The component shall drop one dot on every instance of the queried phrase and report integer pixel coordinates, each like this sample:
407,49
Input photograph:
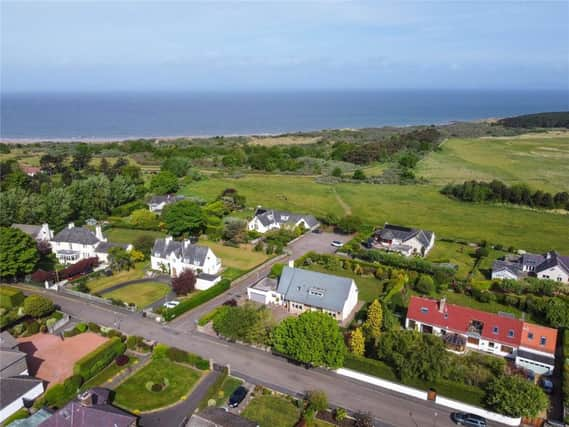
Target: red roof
497,328
30,169
539,338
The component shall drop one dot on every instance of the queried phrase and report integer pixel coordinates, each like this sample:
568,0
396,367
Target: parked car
470,420
237,396
317,231
171,304
546,384
337,243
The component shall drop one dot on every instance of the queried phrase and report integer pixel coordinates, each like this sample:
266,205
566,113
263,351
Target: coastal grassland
241,258
269,141
127,235
140,294
541,161
101,283
134,395
412,205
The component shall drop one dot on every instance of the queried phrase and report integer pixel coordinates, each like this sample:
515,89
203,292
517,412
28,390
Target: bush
276,270
37,306
58,395
425,285
122,360
92,363
10,297
197,300
32,328
81,327
176,355
93,327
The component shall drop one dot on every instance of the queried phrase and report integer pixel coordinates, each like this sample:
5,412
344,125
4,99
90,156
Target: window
446,315
542,341
511,333
424,310
530,335
495,330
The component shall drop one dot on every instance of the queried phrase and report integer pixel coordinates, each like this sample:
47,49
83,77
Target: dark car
237,397
317,231
470,420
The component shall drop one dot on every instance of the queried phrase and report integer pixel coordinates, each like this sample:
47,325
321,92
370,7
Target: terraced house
530,346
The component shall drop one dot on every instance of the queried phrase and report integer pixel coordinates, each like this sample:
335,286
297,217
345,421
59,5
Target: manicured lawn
134,396
272,411
540,161
126,235
461,255
108,373
412,205
228,387
140,294
101,283
242,258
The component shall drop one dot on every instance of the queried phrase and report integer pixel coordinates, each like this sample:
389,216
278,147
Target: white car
337,243
171,304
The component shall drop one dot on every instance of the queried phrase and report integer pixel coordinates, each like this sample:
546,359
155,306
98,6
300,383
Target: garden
25,316
139,294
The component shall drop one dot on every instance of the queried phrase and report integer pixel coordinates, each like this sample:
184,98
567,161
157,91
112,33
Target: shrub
176,355
90,364
276,270
122,360
425,285
81,327
93,327
38,306
58,395
10,297
32,328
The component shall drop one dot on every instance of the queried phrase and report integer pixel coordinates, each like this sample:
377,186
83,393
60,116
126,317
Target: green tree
184,217
374,321
143,218
425,284
235,230
357,342
244,323
515,397
482,252
123,190
349,224
313,338
176,165
18,253
144,244
164,183
38,306
91,197
81,156
120,259
337,172
359,175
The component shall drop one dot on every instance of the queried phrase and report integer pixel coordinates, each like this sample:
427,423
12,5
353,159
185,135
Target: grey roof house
271,219
37,232
158,203
551,266
300,290
17,392
404,240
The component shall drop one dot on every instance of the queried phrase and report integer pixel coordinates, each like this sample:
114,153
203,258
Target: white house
270,219
404,240
73,244
551,266
174,257
301,290
38,232
158,203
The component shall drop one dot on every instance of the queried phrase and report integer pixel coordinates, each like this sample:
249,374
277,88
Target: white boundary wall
443,401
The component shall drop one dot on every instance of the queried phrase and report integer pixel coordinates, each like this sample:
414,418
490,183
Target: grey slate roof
536,357
271,216
554,259
314,289
189,253
80,235
29,229
531,260
9,357
398,232
218,417
104,247
7,341
12,388
513,267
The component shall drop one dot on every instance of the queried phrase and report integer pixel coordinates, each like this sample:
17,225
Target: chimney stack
71,225
442,305
291,263
99,233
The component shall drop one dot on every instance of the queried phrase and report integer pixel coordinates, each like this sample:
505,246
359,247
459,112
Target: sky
266,45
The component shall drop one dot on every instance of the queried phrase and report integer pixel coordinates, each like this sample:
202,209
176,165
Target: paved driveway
317,242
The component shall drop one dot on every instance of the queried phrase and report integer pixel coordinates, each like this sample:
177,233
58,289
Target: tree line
498,192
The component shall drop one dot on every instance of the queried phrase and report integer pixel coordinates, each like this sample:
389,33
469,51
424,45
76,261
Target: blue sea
124,115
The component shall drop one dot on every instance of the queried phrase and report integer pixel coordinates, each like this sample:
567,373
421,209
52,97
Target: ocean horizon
122,115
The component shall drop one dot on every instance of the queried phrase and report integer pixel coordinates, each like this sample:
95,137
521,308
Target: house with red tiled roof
30,170
530,346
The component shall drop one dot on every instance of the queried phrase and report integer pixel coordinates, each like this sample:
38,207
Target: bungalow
550,266
530,346
17,392
73,244
404,240
301,290
270,219
174,257
157,203
37,232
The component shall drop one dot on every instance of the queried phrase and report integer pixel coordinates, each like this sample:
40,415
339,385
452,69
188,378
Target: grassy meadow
540,161
413,205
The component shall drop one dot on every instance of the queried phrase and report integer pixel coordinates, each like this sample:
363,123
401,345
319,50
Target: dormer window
495,330
424,310
511,333
316,292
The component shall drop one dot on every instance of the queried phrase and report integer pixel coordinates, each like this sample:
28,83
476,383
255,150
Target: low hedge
177,355
213,390
58,395
457,391
197,300
10,297
208,317
92,363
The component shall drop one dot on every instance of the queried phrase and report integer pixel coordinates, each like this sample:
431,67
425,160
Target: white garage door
257,297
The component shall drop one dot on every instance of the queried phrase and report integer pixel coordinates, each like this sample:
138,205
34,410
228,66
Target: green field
412,205
133,394
242,258
272,411
541,161
126,235
140,294
101,283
